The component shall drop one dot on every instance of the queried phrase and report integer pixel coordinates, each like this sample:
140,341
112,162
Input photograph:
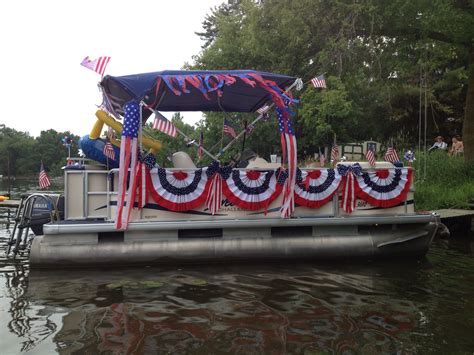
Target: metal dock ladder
23,218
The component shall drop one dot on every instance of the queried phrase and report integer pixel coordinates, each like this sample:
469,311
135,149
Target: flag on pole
249,128
44,181
201,146
108,150
319,82
162,124
228,129
391,155
98,65
334,154
370,155
264,112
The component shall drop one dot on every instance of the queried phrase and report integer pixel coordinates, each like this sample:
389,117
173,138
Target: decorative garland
178,191
252,189
315,188
384,188
255,189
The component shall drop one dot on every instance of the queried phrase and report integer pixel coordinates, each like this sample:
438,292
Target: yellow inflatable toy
4,198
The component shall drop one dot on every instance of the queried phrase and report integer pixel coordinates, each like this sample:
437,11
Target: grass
449,182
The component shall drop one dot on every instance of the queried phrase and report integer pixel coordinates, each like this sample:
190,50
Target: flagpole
188,138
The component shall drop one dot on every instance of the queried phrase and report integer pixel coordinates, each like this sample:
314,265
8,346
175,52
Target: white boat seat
181,160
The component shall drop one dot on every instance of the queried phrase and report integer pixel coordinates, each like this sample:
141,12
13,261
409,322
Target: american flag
391,155
109,151
44,181
162,124
319,82
334,153
98,65
288,140
128,157
229,129
370,155
201,145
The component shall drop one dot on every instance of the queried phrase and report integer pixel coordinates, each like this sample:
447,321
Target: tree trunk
468,124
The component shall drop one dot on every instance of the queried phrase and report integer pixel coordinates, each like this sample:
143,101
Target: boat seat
181,160
260,163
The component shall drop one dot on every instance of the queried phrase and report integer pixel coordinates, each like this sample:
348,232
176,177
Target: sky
43,85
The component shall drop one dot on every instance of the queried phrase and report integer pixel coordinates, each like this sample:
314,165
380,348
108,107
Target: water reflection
299,308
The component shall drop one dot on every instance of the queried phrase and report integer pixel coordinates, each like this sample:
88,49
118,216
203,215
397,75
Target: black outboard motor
43,209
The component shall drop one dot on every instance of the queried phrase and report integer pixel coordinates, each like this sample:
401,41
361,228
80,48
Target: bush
448,182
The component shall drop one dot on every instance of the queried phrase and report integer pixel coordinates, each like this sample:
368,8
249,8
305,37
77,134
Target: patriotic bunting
252,189
349,173
385,187
315,188
177,190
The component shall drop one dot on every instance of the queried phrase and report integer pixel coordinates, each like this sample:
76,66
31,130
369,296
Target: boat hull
149,243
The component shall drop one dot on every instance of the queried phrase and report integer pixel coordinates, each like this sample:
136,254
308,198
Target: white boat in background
217,213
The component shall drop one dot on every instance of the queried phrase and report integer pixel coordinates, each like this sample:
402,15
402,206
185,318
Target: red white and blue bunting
252,189
255,189
178,190
385,187
315,188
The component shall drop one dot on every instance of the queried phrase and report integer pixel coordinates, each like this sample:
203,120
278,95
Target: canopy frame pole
233,141
188,139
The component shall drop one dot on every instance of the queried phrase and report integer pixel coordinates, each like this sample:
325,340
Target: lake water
403,306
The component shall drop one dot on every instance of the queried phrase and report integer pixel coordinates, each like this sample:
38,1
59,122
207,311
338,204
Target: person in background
439,144
457,147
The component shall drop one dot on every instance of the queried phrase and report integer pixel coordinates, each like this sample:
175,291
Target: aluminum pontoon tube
334,243
91,227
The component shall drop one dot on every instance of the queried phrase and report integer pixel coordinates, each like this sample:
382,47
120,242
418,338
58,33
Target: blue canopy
193,90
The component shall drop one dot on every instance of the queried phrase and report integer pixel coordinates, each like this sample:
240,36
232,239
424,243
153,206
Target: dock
460,222
8,211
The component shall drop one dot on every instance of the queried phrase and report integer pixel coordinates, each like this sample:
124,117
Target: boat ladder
19,240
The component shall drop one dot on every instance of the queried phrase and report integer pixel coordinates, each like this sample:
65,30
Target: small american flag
319,82
334,153
263,109
162,124
391,155
98,65
201,145
370,155
44,181
109,150
228,129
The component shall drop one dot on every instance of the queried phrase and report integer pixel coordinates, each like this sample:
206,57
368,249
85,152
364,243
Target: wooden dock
8,211
460,222
10,203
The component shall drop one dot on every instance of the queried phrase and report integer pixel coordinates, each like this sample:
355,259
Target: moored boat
140,213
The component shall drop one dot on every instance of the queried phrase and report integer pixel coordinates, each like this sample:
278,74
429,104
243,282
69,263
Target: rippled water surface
399,306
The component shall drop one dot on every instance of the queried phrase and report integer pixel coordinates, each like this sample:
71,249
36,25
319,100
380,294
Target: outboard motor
43,209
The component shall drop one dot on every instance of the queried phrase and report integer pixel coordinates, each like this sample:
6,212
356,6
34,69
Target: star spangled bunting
391,155
370,155
228,129
319,82
44,181
162,124
98,65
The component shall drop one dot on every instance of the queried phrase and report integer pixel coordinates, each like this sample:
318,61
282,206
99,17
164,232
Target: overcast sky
43,85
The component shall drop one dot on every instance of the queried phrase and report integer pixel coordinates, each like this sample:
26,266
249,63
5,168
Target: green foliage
21,154
449,182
